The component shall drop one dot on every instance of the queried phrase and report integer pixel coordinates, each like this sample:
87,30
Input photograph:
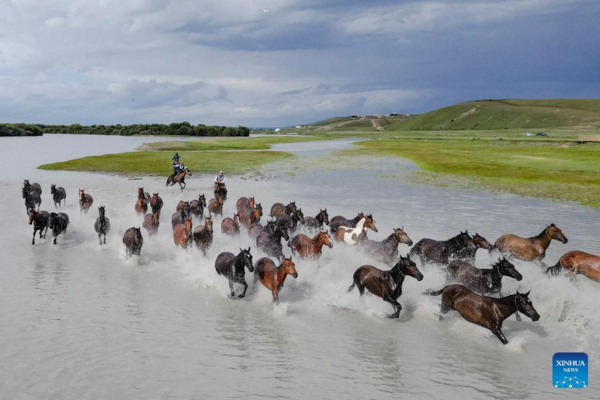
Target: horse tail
431,292
555,269
351,287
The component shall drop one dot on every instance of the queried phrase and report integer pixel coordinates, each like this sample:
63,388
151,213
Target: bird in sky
265,11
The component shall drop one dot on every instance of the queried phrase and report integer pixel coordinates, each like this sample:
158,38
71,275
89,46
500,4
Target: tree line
20,130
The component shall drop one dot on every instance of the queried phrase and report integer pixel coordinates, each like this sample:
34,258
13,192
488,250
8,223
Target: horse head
32,214
208,224
140,192
506,268
299,216
370,223
52,189
324,239
236,219
406,266
323,216
246,259
251,202
402,237
525,306
260,209
282,231
101,211
81,193
481,242
555,233
289,267
202,200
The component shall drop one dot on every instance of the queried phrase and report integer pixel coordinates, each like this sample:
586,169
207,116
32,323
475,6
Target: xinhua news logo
570,370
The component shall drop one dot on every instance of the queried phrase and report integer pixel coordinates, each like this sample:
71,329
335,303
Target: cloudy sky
224,62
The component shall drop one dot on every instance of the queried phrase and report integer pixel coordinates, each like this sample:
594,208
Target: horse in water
32,187
278,209
270,243
244,203
529,249
249,216
179,178
102,225
133,241
197,206
231,226
183,212
483,281
141,205
292,220
58,195
220,190
257,229
385,251
310,248
58,223
85,201
215,206
183,207
203,235
40,221
386,284
488,312
575,262
272,276
152,222
459,247
33,198
156,203
317,222
338,221
232,267
350,235
182,233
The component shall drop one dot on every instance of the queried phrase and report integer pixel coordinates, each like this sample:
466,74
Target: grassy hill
506,114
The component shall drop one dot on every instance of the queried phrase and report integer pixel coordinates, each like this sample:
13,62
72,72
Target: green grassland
254,143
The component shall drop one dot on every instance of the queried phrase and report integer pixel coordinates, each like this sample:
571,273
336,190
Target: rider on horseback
220,183
177,165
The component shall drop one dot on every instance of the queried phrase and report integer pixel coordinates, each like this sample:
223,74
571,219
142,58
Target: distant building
277,129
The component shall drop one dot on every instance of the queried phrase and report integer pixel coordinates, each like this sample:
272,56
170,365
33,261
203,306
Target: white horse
350,235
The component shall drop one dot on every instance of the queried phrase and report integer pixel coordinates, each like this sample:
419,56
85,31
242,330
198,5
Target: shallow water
80,321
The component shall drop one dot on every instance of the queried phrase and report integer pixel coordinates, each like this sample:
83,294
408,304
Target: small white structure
277,129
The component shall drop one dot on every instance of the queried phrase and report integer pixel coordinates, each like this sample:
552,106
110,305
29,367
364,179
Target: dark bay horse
32,198
338,221
386,284
197,206
40,221
32,187
102,224
292,220
310,248
156,203
203,235
231,226
270,243
215,206
152,222
483,281
278,209
317,222
178,218
143,199
488,312
272,276
85,201
179,178
249,216
385,251
58,195
58,223
575,262
232,267
245,203
182,233
459,247
133,241
220,190
529,249
256,229
183,207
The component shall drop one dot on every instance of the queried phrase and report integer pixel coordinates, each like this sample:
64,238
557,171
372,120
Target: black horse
58,195
270,243
33,198
40,221
291,221
232,268
58,224
483,281
102,225
316,222
256,229
460,247
197,206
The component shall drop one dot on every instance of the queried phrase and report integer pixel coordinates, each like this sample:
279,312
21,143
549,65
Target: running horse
231,226
58,195
256,229
488,312
197,206
338,221
291,221
58,223
233,267
40,221
32,195
85,201
248,217
102,224
317,222
215,206
310,248
133,241
152,222
220,190
529,249
182,233
141,205
272,276
385,251
245,203
460,247
179,178
576,262
350,235
483,281
270,243
156,203
278,209
203,235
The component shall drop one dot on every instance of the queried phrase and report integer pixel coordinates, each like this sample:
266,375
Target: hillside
506,114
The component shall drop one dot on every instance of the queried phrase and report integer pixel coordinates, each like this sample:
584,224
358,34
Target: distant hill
506,114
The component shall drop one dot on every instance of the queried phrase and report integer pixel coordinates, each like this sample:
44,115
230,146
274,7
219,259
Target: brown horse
386,284
529,249
85,201
151,223
133,241
316,222
249,216
179,178
385,251
231,226
576,262
232,267
182,234
338,221
197,206
216,206
141,205
488,312
257,229
183,207
40,221
156,203
273,277
351,235
309,248
245,203
278,209
483,281
203,235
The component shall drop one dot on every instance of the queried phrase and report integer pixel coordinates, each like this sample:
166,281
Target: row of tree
20,130
175,129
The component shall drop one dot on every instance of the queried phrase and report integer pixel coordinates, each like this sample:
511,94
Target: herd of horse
471,291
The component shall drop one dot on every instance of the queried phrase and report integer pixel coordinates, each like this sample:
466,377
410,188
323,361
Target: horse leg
34,232
395,304
244,292
232,295
275,293
100,238
105,238
45,231
444,309
54,242
498,332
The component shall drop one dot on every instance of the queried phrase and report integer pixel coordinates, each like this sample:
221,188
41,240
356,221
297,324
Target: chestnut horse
133,241
231,226
245,203
575,262
488,312
273,277
529,249
386,284
483,281
385,251
351,235
249,216
317,222
278,209
102,224
338,221
197,206
232,267
179,178
156,203
182,234
58,195
40,221
58,223
141,205
85,201
203,235
152,222
309,248
460,247
216,206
